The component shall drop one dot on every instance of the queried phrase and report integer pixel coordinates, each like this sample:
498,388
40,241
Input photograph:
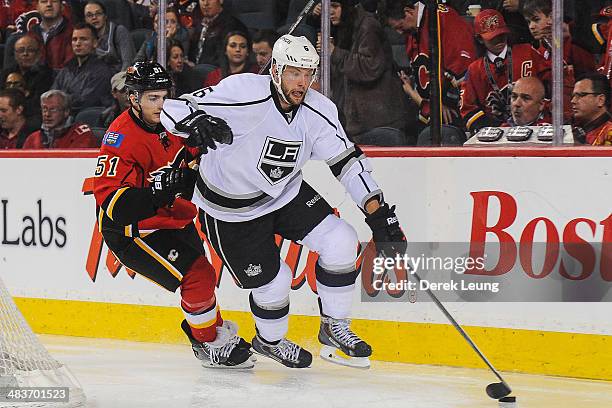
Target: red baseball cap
489,24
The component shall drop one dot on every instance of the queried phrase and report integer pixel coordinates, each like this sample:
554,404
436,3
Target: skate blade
248,364
334,355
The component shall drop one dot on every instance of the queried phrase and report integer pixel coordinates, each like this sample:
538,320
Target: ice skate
341,345
226,351
285,352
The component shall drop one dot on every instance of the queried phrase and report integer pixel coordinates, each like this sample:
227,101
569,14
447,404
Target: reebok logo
314,200
391,220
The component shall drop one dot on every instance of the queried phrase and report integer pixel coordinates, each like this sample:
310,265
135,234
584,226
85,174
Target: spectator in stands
577,61
85,78
58,130
263,42
120,101
364,85
457,53
485,93
528,104
55,32
115,46
38,76
174,32
16,81
13,125
235,60
590,101
185,79
211,23
511,10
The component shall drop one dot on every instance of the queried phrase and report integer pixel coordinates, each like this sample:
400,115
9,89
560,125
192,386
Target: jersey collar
501,55
155,130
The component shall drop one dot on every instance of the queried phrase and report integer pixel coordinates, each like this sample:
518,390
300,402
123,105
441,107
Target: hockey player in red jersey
142,186
485,93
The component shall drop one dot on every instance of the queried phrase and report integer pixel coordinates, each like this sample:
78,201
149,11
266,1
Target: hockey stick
297,22
494,390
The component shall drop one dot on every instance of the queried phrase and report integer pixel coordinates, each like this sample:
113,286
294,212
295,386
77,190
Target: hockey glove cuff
166,186
386,232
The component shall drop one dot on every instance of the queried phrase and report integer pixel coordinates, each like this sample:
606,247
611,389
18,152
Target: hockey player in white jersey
252,188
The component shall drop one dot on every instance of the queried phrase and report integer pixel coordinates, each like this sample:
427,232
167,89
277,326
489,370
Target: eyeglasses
14,84
92,15
23,50
580,95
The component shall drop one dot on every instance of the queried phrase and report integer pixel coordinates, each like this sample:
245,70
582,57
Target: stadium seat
90,115
255,14
98,133
139,36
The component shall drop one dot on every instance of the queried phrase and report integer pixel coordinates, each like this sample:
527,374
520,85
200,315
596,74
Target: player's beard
289,98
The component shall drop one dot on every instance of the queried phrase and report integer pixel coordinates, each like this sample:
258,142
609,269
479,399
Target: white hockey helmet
293,51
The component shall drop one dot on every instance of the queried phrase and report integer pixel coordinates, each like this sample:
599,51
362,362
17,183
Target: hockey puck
508,402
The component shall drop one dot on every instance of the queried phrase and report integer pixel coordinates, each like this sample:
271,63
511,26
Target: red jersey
599,131
571,60
76,136
457,53
130,157
485,101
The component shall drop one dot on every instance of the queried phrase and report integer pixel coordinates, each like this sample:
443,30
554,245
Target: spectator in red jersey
457,52
528,103
55,32
485,93
235,60
590,101
58,130
211,23
13,125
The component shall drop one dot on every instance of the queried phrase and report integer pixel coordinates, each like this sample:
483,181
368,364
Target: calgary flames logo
489,24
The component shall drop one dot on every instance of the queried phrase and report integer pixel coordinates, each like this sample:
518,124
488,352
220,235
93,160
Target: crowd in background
63,63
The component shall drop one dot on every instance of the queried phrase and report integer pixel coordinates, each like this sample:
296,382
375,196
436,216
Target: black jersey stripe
321,115
228,202
236,103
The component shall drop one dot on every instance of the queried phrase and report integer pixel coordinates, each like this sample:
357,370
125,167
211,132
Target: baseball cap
118,81
489,24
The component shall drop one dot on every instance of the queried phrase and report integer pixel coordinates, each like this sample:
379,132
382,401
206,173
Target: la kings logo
278,159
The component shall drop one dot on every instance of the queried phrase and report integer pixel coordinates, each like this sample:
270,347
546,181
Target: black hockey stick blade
498,390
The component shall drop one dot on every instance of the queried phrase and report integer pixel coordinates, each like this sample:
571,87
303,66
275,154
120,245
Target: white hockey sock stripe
202,320
336,302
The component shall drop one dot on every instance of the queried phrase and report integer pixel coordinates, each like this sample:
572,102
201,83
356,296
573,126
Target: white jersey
260,171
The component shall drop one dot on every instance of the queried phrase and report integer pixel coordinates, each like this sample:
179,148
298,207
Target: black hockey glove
166,186
386,232
205,131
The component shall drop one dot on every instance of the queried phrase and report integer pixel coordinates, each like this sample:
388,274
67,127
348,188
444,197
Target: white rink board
434,204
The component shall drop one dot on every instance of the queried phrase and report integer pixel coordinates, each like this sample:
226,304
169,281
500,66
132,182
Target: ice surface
121,374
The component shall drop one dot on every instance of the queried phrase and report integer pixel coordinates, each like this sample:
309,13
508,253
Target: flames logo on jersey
499,103
174,164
